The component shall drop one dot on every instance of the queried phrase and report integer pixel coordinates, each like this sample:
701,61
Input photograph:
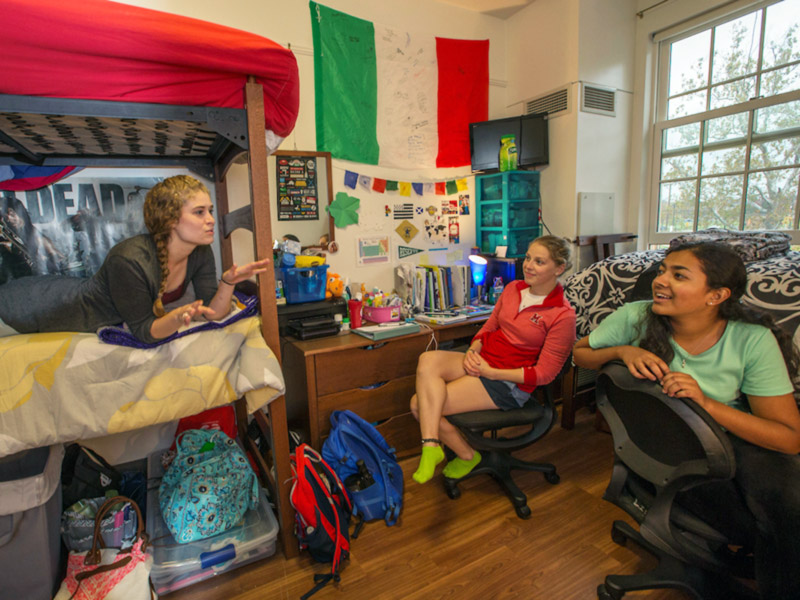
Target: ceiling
502,9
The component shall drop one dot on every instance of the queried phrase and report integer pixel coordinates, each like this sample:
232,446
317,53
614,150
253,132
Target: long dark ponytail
723,268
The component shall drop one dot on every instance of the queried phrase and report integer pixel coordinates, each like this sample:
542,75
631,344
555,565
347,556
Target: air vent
600,100
553,103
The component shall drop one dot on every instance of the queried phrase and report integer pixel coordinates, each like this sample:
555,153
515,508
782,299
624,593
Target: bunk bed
107,84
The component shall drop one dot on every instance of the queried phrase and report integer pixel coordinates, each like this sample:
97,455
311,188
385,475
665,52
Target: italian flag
392,98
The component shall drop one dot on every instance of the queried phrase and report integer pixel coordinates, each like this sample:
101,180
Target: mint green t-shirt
746,359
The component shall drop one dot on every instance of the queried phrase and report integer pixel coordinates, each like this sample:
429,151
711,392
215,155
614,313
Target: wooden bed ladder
273,425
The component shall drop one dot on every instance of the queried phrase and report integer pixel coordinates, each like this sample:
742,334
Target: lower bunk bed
61,387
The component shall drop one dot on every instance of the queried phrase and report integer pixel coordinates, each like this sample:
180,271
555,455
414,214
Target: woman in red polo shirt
523,345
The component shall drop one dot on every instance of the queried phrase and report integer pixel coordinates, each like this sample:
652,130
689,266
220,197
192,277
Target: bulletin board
298,193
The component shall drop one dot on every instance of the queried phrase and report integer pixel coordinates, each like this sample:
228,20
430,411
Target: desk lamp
478,267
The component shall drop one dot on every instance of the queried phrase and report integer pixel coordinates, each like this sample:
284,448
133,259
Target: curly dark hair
723,267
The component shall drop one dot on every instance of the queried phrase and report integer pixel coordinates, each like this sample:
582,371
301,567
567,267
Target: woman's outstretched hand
186,314
642,363
236,273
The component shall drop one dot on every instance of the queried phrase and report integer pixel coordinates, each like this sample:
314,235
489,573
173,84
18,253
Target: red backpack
323,509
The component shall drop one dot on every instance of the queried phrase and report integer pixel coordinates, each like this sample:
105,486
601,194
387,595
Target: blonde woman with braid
155,283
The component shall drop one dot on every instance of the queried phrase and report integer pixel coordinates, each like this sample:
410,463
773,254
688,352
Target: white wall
557,43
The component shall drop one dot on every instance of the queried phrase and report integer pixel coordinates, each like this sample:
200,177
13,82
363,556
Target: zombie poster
68,227
297,188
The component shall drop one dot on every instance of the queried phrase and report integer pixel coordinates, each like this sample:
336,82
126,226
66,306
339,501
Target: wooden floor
475,546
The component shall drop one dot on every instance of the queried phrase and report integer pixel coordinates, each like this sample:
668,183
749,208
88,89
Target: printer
311,320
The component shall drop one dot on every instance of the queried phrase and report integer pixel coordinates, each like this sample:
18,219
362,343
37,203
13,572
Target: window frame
661,123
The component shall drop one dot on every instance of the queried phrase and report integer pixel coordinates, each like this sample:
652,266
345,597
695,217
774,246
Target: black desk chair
538,415
664,446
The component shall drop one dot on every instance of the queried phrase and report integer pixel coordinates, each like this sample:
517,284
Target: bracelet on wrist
222,280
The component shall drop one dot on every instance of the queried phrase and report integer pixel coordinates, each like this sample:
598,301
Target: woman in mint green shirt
700,342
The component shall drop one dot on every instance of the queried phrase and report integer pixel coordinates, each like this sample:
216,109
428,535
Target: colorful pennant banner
405,188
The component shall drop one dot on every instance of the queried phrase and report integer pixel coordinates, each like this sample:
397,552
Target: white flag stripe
407,70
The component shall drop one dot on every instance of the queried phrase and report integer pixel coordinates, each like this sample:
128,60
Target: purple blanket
247,306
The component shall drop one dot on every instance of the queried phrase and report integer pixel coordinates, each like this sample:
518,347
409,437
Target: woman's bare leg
443,387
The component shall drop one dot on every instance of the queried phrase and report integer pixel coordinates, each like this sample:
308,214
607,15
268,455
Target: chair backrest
662,439
671,444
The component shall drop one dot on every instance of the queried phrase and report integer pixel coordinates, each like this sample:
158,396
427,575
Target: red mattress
102,50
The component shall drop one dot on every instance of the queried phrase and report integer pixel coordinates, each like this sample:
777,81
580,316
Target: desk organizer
304,284
381,314
176,566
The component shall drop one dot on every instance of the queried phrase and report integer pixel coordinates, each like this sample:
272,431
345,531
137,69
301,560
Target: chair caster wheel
603,593
618,537
453,493
523,512
553,478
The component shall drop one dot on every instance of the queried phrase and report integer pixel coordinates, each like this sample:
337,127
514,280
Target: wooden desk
373,379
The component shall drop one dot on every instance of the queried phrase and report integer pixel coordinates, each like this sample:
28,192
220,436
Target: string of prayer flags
404,188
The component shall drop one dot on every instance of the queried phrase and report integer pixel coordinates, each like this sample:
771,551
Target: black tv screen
530,135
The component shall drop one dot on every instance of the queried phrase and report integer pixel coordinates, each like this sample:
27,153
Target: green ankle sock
458,467
431,456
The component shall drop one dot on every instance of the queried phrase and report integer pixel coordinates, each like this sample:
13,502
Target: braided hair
723,267
162,211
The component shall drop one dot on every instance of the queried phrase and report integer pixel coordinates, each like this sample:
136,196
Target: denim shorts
505,394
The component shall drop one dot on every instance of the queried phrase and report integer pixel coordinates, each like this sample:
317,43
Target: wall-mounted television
530,134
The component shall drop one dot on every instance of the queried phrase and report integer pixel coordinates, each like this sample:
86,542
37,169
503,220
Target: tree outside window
729,134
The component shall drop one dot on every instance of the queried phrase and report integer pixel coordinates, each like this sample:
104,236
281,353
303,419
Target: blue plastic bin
304,284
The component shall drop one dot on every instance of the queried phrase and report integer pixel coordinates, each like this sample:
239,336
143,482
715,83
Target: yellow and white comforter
61,387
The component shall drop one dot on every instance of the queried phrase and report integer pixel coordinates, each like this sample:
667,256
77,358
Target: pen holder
354,306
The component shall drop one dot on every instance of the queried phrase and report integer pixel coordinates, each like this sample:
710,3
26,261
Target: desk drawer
358,367
371,405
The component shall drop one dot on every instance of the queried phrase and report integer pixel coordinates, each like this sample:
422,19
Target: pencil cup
354,306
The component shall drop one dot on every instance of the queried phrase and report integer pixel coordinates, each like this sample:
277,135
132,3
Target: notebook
376,332
440,318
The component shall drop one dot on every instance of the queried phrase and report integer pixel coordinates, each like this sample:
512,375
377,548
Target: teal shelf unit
507,211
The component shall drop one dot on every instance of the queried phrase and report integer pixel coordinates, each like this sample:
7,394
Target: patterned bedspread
773,285
60,387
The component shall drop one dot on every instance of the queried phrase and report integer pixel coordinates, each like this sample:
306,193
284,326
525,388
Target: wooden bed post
262,236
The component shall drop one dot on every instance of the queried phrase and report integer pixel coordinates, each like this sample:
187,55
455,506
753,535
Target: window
727,134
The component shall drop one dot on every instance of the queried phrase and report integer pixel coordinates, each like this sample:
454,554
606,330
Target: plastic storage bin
30,520
176,566
304,284
382,314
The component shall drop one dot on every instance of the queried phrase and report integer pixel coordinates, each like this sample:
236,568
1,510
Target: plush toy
335,286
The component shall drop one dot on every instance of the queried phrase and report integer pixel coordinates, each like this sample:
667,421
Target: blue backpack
353,440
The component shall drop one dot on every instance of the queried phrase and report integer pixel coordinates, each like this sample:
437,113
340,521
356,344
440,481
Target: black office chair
538,414
663,446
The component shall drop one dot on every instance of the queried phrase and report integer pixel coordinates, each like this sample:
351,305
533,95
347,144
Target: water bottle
508,153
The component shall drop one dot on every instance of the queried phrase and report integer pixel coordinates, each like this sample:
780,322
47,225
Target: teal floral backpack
208,487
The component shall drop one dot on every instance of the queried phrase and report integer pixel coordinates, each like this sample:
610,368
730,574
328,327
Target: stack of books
439,288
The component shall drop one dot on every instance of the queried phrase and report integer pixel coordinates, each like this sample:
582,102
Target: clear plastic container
176,566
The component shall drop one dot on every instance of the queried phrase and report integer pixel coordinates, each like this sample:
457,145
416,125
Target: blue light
478,266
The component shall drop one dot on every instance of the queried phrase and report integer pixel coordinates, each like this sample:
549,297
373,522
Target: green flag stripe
345,85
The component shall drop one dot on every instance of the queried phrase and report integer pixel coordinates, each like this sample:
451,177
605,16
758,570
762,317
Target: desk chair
538,414
664,446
